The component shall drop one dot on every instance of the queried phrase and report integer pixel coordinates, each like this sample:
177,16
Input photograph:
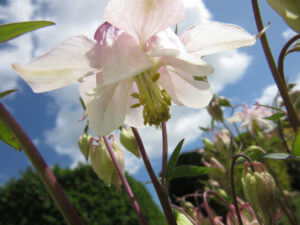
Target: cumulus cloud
268,95
288,33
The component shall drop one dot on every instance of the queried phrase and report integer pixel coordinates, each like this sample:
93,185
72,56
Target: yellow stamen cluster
156,101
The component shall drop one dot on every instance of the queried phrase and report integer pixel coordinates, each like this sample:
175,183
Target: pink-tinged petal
134,117
87,84
215,37
164,43
64,64
143,18
188,63
185,91
107,110
120,56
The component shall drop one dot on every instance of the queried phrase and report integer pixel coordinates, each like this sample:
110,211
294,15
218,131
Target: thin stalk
283,54
57,193
165,151
291,113
207,208
235,203
161,192
125,182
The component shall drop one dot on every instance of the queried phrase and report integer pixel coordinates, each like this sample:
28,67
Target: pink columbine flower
137,66
255,115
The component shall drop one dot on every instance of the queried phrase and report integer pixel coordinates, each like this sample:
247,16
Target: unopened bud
128,141
208,144
260,190
84,144
181,219
215,110
116,180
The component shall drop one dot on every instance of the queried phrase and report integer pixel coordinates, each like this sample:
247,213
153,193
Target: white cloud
16,11
229,68
288,33
268,95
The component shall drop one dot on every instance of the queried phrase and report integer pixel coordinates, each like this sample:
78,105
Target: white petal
134,117
188,63
215,37
87,84
185,91
107,111
143,18
164,43
62,65
120,57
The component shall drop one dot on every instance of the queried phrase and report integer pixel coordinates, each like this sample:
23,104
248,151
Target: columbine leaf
4,93
296,147
8,136
277,156
173,159
275,116
270,107
188,171
12,30
204,129
224,102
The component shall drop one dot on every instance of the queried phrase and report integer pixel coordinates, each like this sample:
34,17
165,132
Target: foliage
26,201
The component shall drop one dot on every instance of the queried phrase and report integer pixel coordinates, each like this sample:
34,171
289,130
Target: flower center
156,101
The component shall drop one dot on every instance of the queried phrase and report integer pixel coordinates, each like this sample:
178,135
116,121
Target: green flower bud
215,110
103,165
208,144
181,219
289,10
260,190
84,145
128,141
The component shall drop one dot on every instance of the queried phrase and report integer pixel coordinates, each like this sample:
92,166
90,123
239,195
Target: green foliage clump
25,201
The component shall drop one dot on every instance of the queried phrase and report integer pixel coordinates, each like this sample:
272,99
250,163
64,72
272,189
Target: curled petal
120,56
183,90
188,63
107,110
143,18
215,37
64,64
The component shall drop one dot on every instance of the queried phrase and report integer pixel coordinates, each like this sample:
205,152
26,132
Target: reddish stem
165,151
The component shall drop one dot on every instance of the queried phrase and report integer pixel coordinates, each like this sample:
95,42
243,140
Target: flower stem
161,192
283,54
50,181
291,113
207,208
165,151
125,182
235,203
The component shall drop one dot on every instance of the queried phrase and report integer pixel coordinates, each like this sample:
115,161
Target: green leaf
270,107
82,104
204,129
12,30
4,93
275,116
188,171
277,156
173,159
296,147
8,136
224,102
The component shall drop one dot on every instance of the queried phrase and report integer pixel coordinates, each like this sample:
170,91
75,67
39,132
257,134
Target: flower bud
84,144
208,144
103,165
260,190
181,219
215,110
128,141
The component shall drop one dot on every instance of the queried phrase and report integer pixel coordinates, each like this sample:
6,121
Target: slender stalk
291,113
165,151
185,213
283,54
46,175
161,192
207,208
125,182
235,203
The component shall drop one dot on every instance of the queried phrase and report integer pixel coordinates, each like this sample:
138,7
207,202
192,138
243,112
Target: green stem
291,113
50,181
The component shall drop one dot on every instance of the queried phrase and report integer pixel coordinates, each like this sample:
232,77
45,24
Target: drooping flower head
137,66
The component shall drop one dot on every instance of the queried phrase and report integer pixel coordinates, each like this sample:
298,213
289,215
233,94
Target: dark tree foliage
26,202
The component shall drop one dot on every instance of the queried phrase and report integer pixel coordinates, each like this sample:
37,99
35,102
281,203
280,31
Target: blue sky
51,119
